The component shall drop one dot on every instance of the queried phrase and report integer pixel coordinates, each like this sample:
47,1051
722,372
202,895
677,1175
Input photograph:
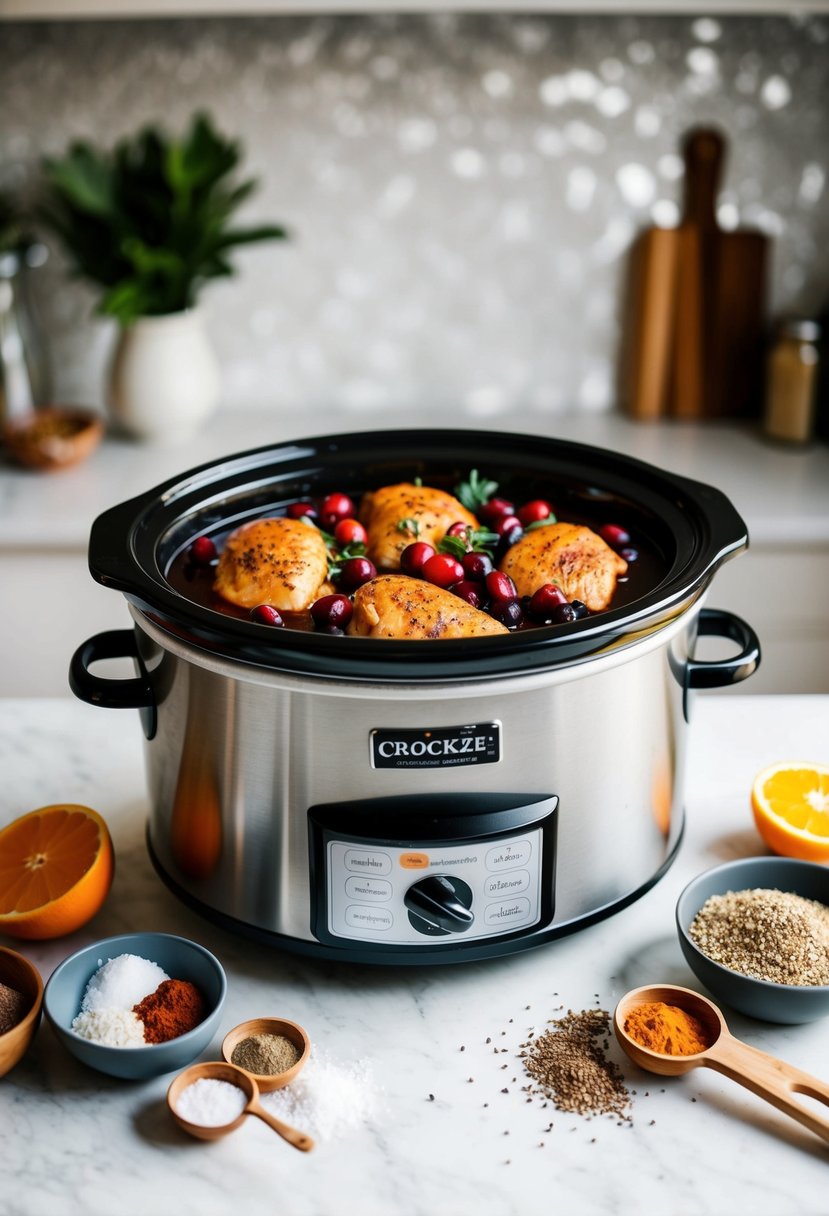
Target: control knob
438,905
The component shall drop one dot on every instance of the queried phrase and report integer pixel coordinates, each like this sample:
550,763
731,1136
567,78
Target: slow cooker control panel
456,869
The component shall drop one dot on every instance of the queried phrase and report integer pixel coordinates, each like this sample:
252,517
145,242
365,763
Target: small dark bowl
785,1003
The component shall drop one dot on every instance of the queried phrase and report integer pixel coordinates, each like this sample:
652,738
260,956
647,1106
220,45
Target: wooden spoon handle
771,1079
704,150
297,1138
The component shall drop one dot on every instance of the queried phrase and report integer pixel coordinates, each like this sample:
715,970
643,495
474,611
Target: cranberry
477,566
472,593
334,630
263,614
356,571
442,570
413,557
332,610
350,532
563,615
298,510
501,587
508,612
581,609
507,523
532,512
496,507
545,599
458,529
629,553
614,536
509,539
202,551
336,507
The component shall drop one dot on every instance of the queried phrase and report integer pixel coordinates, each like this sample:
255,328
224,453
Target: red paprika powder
175,1007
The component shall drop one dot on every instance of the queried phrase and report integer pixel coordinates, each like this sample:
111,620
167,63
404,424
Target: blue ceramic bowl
785,1003
180,958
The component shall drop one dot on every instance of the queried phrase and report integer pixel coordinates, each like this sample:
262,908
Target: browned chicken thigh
395,606
431,511
573,556
281,562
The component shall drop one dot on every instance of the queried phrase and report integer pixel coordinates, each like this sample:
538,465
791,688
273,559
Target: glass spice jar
791,382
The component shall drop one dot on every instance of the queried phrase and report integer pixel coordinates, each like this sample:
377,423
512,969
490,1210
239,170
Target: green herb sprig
475,491
474,540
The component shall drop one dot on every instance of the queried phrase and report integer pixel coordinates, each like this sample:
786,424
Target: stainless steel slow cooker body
414,802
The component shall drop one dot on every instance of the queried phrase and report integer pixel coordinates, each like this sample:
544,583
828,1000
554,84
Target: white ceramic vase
164,379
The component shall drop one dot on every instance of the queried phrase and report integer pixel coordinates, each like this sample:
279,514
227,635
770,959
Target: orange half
56,868
790,802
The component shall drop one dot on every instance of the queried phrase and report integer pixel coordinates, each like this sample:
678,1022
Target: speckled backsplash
461,191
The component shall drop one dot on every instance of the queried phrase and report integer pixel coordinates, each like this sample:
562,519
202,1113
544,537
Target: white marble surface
75,1141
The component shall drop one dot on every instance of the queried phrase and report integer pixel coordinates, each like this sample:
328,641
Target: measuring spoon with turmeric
701,1039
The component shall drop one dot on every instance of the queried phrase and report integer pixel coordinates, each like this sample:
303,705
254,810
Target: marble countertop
77,1142
782,493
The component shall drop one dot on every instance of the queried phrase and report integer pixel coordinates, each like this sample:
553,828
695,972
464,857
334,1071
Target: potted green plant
150,223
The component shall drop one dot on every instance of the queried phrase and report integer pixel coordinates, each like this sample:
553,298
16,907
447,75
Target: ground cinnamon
666,1029
175,1007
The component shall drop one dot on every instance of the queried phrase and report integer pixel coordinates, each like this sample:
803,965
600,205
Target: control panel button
366,889
502,886
508,855
377,920
362,861
508,912
414,861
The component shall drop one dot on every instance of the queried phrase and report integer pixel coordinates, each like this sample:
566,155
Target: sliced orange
56,867
790,802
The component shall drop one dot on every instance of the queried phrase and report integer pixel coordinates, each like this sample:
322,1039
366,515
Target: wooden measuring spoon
220,1071
764,1075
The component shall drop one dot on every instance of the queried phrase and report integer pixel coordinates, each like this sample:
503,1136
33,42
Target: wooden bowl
212,1070
53,438
290,1030
18,973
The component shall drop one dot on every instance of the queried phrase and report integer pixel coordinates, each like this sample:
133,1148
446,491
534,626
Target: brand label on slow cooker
437,747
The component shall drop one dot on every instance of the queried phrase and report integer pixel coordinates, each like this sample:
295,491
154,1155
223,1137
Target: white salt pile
327,1099
209,1102
106,1014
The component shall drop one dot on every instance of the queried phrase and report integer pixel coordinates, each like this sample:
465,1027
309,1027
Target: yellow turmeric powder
666,1029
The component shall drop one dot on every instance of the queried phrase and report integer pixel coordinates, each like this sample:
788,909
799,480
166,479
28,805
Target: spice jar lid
800,328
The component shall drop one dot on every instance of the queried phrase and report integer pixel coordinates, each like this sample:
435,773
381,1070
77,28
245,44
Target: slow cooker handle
136,693
719,673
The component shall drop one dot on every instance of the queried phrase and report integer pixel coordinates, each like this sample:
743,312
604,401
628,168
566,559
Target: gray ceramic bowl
180,958
759,999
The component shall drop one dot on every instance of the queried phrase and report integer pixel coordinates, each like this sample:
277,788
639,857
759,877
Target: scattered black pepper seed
652,1122
431,1097
471,1078
489,1040
693,1099
486,1104
593,1141
463,1049
504,1090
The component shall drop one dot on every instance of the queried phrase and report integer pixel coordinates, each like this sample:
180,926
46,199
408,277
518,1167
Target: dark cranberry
334,630
477,566
202,551
509,539
532,512
355,572
614,536
472,593
332,610
442,570
581,609
506,524
334,508
545,599
629,553
501,587
459,529
350,532
296,510
413,557
263,614
508,612
563,615
492,511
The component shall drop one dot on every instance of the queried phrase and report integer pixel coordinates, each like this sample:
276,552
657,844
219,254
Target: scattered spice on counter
666,1029
211,1103
571,1068
265,1054
173,1009
13,1008
766,934
328,1099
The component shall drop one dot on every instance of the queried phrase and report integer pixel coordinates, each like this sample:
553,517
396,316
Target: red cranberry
501,587
263,614
413,557
508,523
629,553
442,570
297,510
332,610
334,508
545,599
614,536
356,571
202,551
532,512
508,612
477,566
493,510
472,593
563,615
458,529
581,609
350,532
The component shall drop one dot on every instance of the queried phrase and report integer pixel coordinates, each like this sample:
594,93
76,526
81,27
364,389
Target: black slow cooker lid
692,528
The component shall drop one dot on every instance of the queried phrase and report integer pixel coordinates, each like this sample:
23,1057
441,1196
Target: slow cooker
430,801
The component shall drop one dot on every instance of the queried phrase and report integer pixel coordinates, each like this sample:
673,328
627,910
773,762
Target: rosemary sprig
475,491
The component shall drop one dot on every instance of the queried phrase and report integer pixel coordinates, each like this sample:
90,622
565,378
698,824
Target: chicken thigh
431,511
395,606
281,562
573,556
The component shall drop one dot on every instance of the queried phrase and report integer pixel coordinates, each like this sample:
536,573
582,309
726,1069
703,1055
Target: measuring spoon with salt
220,1071
769,1078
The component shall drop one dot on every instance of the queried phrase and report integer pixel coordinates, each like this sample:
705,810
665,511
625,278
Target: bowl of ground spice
273,1050
756,933
138,1005
21,1002
52,438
